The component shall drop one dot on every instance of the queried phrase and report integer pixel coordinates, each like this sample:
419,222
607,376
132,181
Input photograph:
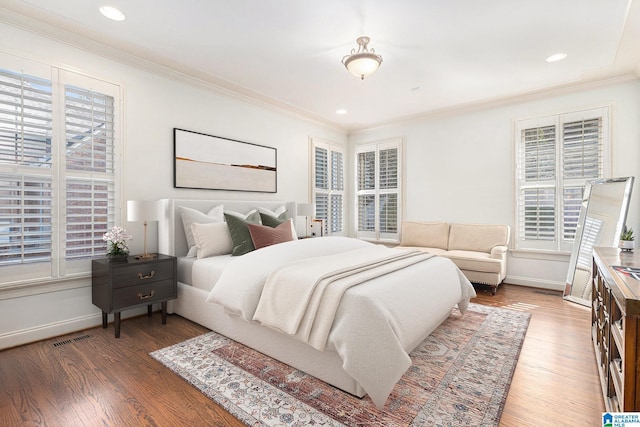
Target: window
378,190
58,172
328,187
556,156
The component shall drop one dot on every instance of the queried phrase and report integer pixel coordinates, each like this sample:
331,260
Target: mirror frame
580,229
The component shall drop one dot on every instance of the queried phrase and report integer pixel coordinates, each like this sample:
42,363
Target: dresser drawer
148,272
147,293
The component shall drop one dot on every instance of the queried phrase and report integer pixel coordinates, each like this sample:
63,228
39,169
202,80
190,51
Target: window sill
44,286
386,242
541,255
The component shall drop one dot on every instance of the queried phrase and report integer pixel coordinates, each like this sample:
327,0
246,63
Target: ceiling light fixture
557,57
341,111
112,13
364,61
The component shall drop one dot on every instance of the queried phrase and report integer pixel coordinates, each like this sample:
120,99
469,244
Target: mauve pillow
273,222
263,235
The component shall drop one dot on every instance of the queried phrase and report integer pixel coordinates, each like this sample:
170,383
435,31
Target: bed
362,347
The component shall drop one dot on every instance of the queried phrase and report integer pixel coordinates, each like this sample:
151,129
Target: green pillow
271,220
239,230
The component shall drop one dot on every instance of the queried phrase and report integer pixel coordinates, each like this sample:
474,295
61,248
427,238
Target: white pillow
190,216
212,239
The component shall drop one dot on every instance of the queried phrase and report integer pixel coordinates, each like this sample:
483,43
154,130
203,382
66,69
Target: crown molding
34,20
502,101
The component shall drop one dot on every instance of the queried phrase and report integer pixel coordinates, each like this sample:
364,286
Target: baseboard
55,329
535,283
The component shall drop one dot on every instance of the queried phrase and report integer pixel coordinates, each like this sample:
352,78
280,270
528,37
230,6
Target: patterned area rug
460,376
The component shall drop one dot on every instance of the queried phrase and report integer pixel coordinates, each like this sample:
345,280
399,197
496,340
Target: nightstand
118,285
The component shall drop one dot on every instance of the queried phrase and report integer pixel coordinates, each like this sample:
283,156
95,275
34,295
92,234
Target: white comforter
301,298
376,324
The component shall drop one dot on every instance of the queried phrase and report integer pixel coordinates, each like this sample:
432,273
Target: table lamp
139,210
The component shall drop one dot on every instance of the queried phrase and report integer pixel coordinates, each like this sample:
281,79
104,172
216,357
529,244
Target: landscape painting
216,163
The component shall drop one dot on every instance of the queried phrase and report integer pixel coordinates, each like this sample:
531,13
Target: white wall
459,166
153,106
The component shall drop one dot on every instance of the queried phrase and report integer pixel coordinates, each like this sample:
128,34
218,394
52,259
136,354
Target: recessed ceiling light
557,57
341,111
112,13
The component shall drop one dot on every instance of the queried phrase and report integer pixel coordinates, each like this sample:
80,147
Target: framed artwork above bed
214,163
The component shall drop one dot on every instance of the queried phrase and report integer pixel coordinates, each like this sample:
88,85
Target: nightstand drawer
147,293
132,275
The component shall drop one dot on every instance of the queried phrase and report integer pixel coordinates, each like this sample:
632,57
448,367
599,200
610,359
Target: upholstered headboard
171,237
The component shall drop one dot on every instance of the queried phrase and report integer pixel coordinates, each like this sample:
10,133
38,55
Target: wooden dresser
615,327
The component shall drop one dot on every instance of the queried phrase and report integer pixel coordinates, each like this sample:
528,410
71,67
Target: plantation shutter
328,187
366,170
378,190
25,170
90,186
582,160
557,155
537,194
335,222
389,169
25,219
388,182
366,181
336,217
322,168
58,172
25,120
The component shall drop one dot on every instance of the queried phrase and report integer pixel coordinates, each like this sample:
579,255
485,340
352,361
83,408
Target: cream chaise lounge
479,250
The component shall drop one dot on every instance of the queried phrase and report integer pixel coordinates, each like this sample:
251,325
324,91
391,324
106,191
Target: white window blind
378,190
26,156
556,156
321,162
322,206
25,219
90,185
335,221
89,214
25,120
58,172
328,185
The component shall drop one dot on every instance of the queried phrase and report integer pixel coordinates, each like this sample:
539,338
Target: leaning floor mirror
602,217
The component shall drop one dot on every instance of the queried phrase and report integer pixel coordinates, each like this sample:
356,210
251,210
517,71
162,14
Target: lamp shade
362,64
306,209
142,210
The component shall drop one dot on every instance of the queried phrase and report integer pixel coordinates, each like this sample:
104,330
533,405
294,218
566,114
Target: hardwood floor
556,380
90,378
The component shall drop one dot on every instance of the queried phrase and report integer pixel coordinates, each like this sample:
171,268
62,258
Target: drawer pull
149,295
148,276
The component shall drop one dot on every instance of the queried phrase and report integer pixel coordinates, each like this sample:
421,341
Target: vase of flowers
116,239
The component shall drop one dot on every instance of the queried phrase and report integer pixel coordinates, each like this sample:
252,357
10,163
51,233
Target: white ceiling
437,54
